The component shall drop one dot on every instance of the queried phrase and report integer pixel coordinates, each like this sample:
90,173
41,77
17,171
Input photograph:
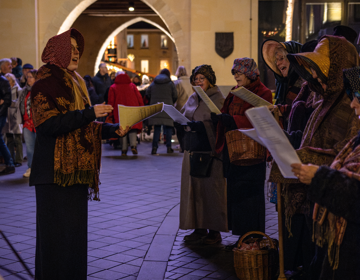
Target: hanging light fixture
131,6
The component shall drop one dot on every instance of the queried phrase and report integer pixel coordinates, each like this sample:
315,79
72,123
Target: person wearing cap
336,191
25,69
67,157
202,200
329,128
245,184
288,82
162,90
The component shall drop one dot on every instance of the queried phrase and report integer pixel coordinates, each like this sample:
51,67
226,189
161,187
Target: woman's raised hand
305,172
102,110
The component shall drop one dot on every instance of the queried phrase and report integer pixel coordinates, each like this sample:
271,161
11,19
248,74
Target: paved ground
133,230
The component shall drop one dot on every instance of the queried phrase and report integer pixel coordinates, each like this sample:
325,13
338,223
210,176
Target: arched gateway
69,11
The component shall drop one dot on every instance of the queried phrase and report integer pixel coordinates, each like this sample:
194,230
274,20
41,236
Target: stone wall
210,16
17,30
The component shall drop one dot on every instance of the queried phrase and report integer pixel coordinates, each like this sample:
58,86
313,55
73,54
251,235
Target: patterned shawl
330,127
77,154
331,232
348,162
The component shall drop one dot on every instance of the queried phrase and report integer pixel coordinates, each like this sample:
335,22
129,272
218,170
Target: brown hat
319,59
205,70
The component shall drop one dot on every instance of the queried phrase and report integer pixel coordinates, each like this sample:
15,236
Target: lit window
145,66
321,15
164,64
164,42
130,41
144,41
354,13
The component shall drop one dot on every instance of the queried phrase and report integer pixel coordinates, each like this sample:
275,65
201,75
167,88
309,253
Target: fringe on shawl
84,177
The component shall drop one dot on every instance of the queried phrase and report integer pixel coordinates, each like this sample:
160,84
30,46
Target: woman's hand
2,101
102,110
305,172
121,132
273,109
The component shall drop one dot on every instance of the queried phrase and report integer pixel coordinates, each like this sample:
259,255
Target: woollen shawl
57,91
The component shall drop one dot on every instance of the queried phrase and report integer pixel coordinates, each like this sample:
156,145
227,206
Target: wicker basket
260,264
243,150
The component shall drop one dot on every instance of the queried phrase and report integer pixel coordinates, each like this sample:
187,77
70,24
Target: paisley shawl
57,91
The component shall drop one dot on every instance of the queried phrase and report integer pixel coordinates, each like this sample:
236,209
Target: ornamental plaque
224,43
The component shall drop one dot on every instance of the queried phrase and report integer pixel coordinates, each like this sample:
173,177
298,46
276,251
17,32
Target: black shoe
153,151
18,164
169,150
123,152
8,170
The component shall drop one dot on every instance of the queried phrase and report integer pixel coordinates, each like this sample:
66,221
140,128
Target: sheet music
250,97
252,134
130,115
175,114
274,139
207,100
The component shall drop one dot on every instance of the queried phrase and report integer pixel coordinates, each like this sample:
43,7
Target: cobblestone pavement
133,231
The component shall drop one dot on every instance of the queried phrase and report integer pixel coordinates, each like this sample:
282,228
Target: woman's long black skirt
61,232
246,200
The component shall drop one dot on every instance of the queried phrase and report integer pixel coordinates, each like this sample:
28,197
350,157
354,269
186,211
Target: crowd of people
317,105
16,122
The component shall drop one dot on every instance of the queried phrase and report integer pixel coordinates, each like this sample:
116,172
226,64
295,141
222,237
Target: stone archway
69,10
121,28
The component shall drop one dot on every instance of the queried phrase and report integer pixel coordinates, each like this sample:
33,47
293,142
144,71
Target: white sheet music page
252,134
274,138
207,100
250,97
175,114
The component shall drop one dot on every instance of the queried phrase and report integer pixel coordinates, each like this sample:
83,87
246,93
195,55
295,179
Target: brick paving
133,231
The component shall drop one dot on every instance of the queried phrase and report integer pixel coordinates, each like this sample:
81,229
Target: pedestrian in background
16,67
28,124
184,90
102,81
25,69
13,127
5,102
162,90
124,92
94,98
136,80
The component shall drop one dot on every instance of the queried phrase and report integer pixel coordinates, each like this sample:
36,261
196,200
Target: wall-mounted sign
224,43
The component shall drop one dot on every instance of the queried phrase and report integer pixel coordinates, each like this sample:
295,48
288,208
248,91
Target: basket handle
256,232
